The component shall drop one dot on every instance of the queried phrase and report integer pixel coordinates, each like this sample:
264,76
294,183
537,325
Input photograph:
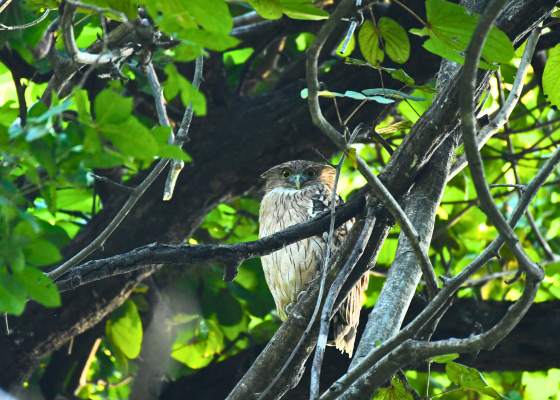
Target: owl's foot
289,308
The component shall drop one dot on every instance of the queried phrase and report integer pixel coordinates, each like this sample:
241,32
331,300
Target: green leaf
170,151
551,77
176,83
112,108
269,9
395,392
399,126
132,138
209,40
450,27
470,378
199,351
324,93
556,13
42,252
125,329
12,295
369,43
228,309
354,95
303,11
402,76
446,358
125,6
39,286
397,45
351,154
212,15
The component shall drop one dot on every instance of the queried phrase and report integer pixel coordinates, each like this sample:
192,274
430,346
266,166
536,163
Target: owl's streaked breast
289,269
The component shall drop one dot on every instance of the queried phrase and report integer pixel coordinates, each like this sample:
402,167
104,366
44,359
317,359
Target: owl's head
299,175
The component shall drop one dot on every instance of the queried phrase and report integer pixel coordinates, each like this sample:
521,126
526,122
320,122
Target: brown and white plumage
295,192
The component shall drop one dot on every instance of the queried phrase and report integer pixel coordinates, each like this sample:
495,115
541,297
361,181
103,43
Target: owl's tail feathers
343,335
344,324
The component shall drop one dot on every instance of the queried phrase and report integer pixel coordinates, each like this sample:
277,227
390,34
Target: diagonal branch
468,85
508,106
24,26
182,135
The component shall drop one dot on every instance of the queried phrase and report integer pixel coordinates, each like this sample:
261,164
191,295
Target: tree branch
182,135
507,108
11,28
232,255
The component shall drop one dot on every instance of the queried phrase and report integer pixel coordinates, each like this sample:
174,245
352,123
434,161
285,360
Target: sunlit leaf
176,83
369,43
446,358
399,126
269,9
551,77
451,26
397,45
125,329
39,286
12,294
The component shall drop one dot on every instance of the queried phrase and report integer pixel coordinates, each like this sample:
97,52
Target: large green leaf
12,294
112,108
445,358
397,45
42,252
369,43
199,351
212,15
269,9
470,378
176,83
296,10
125,329
39,286
551,77
132,138
451,26
210,40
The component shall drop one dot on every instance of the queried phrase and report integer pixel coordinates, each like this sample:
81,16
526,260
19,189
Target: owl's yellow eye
286,173
311,173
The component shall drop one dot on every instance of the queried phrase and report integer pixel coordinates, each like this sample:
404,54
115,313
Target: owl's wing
344,324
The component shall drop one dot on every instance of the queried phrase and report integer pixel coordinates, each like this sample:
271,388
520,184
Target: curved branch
12,28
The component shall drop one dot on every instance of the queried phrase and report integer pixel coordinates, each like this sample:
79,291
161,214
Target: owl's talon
300,295
289,308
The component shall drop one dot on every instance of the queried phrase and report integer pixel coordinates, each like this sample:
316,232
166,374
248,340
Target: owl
295,192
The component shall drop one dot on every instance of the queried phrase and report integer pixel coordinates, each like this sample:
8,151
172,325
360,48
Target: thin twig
4,5
325,159
321,288
12,28
67,24
182,135
406,384
110,182
383,142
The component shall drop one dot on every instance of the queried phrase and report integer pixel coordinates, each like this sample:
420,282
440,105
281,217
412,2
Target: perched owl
295,192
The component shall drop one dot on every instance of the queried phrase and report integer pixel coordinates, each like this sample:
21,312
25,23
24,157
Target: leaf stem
412,12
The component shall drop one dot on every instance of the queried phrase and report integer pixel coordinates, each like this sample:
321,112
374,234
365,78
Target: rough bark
404,275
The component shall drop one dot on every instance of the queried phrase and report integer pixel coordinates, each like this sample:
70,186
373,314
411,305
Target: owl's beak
297,180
